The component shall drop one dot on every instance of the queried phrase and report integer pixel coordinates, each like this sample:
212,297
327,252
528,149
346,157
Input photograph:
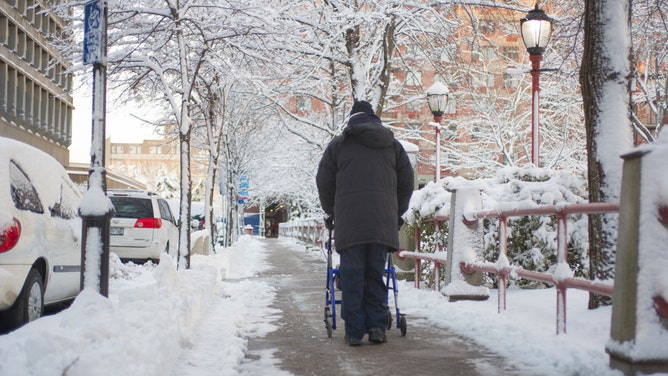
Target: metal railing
309,231
561,278
438,257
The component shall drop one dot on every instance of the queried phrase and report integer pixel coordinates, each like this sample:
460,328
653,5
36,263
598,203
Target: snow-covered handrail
438,257
309,231
562,277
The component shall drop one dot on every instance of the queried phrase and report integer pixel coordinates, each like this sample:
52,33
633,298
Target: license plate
116,231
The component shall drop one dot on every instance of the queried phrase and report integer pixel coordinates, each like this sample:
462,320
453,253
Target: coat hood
369,130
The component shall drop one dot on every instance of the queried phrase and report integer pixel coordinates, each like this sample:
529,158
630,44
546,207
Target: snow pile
525,333
148,320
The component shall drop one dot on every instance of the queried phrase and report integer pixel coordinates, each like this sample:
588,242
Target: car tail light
9,236
148,223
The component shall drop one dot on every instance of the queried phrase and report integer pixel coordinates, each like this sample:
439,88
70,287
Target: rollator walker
333,284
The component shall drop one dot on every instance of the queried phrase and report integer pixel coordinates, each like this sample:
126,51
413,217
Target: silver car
143,227
40,233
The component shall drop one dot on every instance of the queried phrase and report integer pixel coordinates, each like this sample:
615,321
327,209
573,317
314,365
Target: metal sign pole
96,209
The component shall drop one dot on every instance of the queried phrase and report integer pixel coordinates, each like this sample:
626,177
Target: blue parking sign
242,198
93,28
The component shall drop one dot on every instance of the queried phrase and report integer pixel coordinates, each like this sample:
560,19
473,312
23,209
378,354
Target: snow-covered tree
343,50
605,77
157,48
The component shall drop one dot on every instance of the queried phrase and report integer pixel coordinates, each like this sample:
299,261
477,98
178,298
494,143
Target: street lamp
536,29
437,97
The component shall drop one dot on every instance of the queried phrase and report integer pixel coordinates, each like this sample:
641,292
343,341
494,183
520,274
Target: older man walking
365,182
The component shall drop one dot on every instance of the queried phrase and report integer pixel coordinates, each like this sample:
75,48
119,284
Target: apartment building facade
35,101
155,162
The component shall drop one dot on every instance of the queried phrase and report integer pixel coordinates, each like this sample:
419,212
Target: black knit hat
362,106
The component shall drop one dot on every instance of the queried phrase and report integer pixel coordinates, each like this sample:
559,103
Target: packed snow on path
160,321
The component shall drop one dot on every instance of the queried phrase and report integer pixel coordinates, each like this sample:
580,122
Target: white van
40,233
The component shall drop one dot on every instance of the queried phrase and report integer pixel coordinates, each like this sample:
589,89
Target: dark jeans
364,294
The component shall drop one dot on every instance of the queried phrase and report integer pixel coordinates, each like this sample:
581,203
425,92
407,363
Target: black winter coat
365,180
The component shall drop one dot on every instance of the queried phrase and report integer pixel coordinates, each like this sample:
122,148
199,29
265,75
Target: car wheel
29,305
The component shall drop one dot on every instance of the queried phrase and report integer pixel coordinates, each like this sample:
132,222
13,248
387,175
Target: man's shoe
377,335
352,341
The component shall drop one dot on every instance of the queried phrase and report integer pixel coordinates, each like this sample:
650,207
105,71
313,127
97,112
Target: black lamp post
437,97
536,30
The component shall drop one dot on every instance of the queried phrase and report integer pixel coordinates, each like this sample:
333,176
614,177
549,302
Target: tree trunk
184,203
352,46
604,80
389,45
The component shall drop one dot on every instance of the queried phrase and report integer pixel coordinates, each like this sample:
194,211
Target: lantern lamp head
536,29
437,98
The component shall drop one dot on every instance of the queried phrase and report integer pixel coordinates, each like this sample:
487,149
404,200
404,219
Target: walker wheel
328,321
402,325
388,319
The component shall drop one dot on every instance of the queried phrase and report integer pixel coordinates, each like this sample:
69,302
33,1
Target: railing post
417,262
639,328
465,245
503,261
562,263
439,248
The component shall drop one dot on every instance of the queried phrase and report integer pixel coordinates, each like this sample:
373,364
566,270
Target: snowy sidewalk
300,344
256,308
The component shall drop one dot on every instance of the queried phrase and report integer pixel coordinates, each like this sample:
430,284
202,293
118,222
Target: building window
451,107
413,131
30,11
510,53
511,80
11,91
413,50
490,53
486,26
11,36
29,103
303,103
490,80
30,50
21,44
441,78
414,106
20,95
413,78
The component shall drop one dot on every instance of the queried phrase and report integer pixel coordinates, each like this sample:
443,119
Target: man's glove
329,222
